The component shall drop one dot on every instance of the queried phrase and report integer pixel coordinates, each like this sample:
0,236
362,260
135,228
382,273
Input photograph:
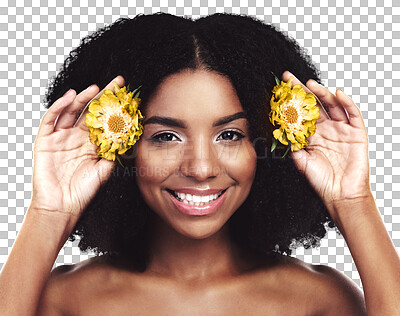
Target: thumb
301,159
104,169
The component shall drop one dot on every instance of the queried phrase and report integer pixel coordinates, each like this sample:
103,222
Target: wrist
353,209
55,225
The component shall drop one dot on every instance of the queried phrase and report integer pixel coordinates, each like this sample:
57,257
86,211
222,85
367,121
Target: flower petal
111,104
95,108
92,121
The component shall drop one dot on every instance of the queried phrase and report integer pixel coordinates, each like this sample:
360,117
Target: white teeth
196,200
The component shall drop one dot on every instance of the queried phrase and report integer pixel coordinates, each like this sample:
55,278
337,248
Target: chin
198,232
198,227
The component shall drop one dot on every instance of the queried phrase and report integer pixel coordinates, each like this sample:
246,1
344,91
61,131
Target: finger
335,108
286,76
49,119
300,159
120,82
354,113
105,168
68,116
99,173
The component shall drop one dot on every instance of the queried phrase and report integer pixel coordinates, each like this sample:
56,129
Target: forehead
194,94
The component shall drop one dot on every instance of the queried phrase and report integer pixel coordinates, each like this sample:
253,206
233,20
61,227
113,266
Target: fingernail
67,93
344,93
88,88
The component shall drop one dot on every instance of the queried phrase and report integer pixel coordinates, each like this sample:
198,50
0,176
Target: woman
206,86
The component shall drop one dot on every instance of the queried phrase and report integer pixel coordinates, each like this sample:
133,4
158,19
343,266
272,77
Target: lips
197,202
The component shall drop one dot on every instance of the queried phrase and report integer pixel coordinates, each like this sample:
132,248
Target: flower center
116,123
291,115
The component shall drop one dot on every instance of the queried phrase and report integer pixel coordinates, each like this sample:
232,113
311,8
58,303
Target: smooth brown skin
194,269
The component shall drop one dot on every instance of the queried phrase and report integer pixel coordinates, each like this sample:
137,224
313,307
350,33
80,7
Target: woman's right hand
67,171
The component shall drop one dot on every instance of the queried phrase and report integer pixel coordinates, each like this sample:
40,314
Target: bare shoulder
67,283
329,290
341,294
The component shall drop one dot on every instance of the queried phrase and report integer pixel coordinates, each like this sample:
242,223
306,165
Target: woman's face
195,162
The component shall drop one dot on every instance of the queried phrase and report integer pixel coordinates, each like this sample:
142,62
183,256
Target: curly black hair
282,211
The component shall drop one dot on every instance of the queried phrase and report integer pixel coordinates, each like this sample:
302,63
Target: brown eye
164,137
230,136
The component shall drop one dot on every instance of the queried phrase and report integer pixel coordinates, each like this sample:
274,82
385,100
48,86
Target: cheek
153,165
240,163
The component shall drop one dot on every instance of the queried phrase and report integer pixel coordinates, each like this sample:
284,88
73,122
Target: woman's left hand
335,161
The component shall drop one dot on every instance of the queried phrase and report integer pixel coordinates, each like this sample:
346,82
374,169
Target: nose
200,160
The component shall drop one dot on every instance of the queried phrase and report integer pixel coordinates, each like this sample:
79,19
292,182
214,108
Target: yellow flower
296,113
114,122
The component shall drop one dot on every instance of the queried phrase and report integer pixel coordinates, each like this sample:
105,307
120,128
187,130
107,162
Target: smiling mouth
195,200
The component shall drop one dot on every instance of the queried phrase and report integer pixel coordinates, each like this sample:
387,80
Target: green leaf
119,160
128,87
287,150
136,91
276,79
275,142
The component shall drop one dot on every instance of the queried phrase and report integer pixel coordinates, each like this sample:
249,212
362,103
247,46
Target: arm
66,175
337,167
29,264
373,252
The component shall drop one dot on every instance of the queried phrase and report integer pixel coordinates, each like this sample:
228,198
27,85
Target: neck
174,255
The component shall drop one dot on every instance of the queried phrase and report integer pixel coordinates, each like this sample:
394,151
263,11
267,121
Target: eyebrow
169,121
230,118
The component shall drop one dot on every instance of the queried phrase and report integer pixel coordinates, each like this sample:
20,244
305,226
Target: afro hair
282,211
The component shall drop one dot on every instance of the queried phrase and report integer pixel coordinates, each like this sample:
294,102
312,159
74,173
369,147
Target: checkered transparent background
355,44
